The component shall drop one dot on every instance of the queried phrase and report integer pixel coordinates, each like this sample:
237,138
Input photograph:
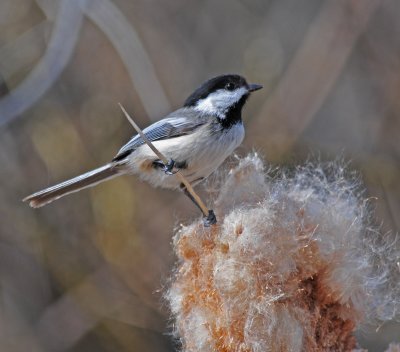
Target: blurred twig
42,77
64,37
31,43
311,74
65,321
126,41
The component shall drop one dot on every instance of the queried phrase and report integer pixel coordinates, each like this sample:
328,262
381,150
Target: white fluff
294,265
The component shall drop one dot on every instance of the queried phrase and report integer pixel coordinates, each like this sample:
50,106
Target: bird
196,138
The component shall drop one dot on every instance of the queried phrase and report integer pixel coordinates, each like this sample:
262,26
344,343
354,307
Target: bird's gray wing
169,127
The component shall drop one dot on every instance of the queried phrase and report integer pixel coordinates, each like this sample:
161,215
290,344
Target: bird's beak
254,87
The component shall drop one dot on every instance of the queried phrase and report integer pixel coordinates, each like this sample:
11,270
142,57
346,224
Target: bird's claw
210,219
169,167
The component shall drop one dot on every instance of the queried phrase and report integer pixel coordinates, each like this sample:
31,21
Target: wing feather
169,127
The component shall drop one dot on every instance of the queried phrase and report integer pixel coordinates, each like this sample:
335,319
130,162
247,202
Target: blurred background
87,272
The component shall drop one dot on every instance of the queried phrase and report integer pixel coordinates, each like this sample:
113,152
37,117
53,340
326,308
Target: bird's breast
200,152
208,150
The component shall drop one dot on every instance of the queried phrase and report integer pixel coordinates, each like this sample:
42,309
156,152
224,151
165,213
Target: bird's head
222,96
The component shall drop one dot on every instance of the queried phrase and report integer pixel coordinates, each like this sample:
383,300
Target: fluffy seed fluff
294,264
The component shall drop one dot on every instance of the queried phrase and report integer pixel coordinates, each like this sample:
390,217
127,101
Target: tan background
87,272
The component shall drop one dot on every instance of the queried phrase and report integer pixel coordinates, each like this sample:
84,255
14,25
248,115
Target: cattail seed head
292,265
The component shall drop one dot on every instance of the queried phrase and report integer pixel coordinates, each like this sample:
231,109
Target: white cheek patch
218,103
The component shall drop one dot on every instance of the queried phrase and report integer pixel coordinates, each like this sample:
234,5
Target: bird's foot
210,219
169,167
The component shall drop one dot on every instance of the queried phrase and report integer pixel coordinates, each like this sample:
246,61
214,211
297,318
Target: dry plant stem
162,157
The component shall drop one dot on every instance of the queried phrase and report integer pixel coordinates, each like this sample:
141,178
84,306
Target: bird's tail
75,184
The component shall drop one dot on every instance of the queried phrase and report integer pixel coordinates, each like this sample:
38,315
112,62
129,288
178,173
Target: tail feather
75,184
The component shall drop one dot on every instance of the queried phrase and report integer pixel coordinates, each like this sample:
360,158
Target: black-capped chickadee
197,138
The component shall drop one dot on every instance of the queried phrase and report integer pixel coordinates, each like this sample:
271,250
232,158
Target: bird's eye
230,86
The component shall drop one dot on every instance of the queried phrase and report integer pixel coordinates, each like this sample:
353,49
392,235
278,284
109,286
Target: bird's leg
208,220
169,167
